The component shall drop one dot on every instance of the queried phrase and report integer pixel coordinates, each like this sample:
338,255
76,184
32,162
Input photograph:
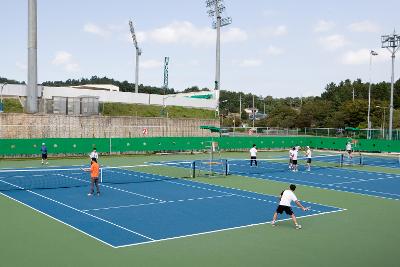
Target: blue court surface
148,208
360,181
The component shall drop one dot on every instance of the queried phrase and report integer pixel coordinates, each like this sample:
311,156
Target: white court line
41,212
362,180
114,188
158,203
226,229
322,186
152,240
236,189
75,209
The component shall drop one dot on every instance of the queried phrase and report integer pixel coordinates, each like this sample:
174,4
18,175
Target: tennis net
281,164
389,161
215,167
27,179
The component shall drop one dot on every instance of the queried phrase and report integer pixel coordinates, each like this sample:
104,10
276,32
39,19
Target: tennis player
43,150
308,158
94,177
349,150
253,155
286,198
291,159
295,154
94,155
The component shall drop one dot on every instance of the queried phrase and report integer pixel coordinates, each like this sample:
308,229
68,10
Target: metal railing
319,132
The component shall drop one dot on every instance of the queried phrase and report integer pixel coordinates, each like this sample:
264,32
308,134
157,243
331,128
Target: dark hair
254,145
292,187
94,159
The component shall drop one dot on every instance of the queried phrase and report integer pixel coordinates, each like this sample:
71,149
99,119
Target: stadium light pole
138,53
391,43
1,97
165,86
215,8
31,88
371,54
1,92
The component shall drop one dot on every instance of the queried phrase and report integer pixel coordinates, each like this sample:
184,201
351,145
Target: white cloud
333,42
151,64
232,35
362,56
21,66
280,30
274,51
64,59
274,31
61,57
96,30
269,13
72,67
250,63
364,26
184,32
324,26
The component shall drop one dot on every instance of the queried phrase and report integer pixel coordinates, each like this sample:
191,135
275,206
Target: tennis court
202,221
354,180
136,207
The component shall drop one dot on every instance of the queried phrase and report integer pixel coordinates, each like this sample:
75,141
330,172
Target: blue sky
279,48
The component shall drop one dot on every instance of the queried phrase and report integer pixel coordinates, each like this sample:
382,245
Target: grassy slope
364,235
119,109
12,105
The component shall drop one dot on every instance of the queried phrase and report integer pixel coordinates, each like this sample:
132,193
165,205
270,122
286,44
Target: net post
101,175
361,160
341,160
194,169
226,167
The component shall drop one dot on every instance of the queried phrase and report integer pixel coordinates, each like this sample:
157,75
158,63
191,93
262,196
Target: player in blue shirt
43,149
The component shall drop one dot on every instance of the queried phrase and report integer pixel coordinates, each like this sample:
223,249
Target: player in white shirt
253,155
94,155
349,150
295,153
290,158
287,196
308,156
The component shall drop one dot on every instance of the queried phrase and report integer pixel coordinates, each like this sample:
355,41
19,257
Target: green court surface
365,234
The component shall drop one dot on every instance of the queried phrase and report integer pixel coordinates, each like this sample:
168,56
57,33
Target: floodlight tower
215,8
31,88
138,53
166,62
392,43
371,54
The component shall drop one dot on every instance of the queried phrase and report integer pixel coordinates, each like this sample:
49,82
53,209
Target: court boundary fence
83,146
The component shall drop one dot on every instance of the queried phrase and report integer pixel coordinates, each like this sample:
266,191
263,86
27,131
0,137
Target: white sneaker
90,194
298,227
273,223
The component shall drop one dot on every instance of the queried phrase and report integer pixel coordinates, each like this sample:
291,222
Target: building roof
105,87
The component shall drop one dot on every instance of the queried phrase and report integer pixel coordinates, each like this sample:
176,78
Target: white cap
43,144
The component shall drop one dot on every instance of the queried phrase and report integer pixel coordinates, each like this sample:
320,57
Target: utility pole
138,53
31,89
215,8
240,106
254,112
392,43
